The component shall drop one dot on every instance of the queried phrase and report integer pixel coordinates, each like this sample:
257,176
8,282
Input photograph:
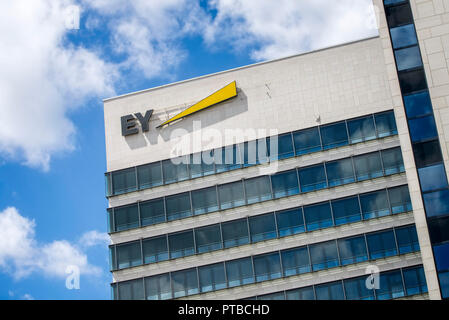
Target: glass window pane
441,253
301,294
158,287
254,152
267,267
427,153
178,206
408,58
381,244
361,129
356,289
330,291
239,272
340,172
423,128
262,227
282,148
155,249
403,36
231,195
318,216
374,204
346,210
131,290
385,124
285,184
176,169
418,104
149,175
392,161
202,164
126,217
227,158
208,238
391,286
272,296
407,239
415,281
432,178
212,277
112,259
181,244
295,261
152,212
438,230
399,15
412,81
352,250
312,178
204,200
400,199
290,222
324,255
124,181
235,233
368,166
334,135
307,141
258,189
129,255
436,203
444,284
185,283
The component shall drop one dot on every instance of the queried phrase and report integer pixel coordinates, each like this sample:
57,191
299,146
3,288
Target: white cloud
94,238
21,254
27,296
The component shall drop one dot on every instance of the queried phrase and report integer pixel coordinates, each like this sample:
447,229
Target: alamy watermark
72,281
72,16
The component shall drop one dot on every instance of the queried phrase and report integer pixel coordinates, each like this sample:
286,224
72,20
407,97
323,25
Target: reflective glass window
202,164
235,233
408,58
272,296
307,141
152,212
149,175
295,261
184,283
432,178
407,239
423,128
418,104
361,129
212,277
385,124
126,217
227,158
352,250
262,227
346,210
400,199
290,222
374,204
129,255
436,203
178,206
204,200
391,286
124,181
403,36
181,244
330,291
441,253
318,216
131,290
334,135
312,178
155,249
392,161
427,153
282,148
208,238
415,281
258,189
285,184
381,244
175,169
340,172
158,287
399,15
412,81
239,272
368,166
324,255
267,267
231,195
356,289
300,294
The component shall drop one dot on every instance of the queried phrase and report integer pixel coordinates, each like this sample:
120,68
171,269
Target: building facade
323,176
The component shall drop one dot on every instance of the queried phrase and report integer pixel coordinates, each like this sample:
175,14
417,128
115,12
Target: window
262,227
152,212
356,289
131,290
412,81
392,160
374,204
258,189
178,206
307,141
290,222
231,195
368,166
208,238
408,58
149,175
432,178
418,104
300,294
352,250
312,178
423,128
441,253
381,244
239,272
253,152
385,124
361,129
340,172
267,267
391,286
285,184
330,291
399,15
227,158
403,36
185,283
295,261
318,216
407,239
124,181
175,169
438,230
129,255
427,153
415,281
346,210
155,249
235,233
324,255
181,244
334,135
126,218
272,296
212,277
400,199
444,284
112,259
436,203
158,287
204,200
283,148
202,164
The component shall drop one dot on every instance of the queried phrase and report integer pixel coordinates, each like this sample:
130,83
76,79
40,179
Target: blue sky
53,80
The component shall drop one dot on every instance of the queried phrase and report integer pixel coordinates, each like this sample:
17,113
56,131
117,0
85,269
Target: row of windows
392,284
262,188
262,227
251,153
422,127
272,265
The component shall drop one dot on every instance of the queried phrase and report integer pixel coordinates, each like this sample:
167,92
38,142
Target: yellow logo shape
225,93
